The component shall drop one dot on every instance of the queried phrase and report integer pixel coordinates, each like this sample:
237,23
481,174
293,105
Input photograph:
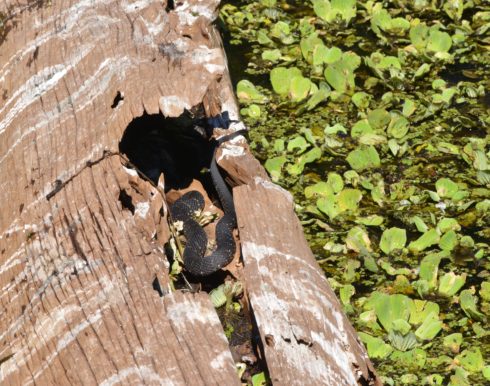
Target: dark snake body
183,210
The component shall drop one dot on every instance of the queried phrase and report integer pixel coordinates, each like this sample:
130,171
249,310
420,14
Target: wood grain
77,267
306,337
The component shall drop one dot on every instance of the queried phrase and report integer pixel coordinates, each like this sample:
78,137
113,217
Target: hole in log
269,340
126,201
170,6
117,99
172,146
157,287
180,149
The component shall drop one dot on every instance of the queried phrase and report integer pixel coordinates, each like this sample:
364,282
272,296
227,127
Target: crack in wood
59,185
6,358
72,233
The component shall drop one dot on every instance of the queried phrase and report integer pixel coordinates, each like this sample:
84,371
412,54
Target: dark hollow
170,6
172,146
126,201
117,99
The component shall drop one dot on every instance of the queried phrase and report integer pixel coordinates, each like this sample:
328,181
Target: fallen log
86,294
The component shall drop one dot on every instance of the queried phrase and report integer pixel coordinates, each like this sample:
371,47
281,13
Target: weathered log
306,335
81,234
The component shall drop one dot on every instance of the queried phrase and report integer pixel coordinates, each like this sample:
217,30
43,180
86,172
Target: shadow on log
86,292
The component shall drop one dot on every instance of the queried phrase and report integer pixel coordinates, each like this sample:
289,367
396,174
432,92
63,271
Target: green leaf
422,70
253,111
348,199
300,163
402,342
268,3
340,74
398,126
439,41
282,31
376,347
335,129
309,45
379,119
332,55
274,166
364,157
329,206
471,360
382,21
413,359
335,181
331,10
271,55
401,326
373,220
448,241
318,190
298,142
336,78
429,328
318,96
322,9
345,8
485,291
389,308
281,78
429,238
259,379
361,100
429,267
299,88
421,310
450,284
279,145
320,54
360,128
448,224
218,296
454,9
372,139
409,107
263,37
420,224
247,92
346,293
393,239
446,188
358,241
468,303
418,35
486,372
453,342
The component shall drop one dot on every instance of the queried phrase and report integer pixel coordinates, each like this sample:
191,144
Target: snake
195,261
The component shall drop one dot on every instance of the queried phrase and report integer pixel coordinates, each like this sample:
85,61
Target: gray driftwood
77,268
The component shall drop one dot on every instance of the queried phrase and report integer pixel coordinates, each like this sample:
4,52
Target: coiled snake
196,239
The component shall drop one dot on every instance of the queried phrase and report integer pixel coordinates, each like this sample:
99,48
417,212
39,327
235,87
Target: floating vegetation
376,116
